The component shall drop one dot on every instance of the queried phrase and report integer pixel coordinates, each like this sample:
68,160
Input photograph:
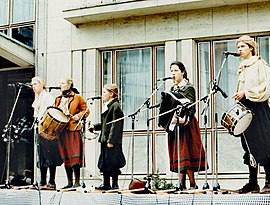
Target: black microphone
28,85
95,98
166,78
53,87
231,53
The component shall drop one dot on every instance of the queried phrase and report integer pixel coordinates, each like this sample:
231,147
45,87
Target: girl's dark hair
181,67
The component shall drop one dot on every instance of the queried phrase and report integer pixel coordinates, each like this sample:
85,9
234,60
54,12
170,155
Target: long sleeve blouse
253,79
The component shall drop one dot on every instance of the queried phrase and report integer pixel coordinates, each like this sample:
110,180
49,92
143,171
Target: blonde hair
69,82
112,88
40,80
250,42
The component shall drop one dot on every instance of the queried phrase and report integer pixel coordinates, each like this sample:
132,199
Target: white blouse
41,103
254,79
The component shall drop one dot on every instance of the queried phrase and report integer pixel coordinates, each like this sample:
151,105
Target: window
23,11
135,71
24,35
3,12
17,19
213,64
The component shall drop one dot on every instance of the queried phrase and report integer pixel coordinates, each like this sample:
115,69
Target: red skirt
192,154
71,148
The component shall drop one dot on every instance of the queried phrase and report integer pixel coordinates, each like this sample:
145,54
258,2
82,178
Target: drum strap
252,160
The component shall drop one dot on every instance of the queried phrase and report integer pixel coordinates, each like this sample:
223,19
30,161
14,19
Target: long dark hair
181,67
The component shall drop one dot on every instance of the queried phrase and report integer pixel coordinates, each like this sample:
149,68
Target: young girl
111,158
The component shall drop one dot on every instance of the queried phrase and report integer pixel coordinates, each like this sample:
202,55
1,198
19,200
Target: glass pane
264,48
107,67
3,12
204,70
227,78
23,11
160,66
4,31
24,35
161,155
230,154
133,77
140,154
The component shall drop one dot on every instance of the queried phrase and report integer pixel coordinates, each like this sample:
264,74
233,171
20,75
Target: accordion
169,102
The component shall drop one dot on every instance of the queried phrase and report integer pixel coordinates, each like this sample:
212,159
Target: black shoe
76,185
115,186
67,186
193,187
103,187
253,188
265,189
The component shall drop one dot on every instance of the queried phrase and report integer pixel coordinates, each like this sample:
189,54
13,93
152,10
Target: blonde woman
253,92
48,151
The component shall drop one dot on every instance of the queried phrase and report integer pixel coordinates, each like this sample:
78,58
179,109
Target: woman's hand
91,129
175,119
109,145
75,117
239,95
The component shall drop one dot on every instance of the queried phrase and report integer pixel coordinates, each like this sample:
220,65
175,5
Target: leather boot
76,170
266,188
252,186
183,180
51,185
115,181
106,182
43,173
69,173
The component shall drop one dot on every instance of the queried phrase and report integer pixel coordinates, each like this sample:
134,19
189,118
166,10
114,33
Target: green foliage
159,183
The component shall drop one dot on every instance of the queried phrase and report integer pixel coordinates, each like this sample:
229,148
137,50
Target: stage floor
35,197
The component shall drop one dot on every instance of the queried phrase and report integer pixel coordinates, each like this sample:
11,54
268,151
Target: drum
52,123
237,119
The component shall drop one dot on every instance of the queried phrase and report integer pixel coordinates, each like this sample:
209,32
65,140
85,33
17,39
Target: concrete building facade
132,43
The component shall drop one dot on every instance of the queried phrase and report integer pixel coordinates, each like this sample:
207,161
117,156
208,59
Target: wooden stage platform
36,197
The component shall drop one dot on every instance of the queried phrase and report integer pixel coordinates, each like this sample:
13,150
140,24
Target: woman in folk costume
111,158
253,91
192,154
70,141
48,151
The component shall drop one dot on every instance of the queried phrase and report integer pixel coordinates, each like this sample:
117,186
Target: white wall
60,43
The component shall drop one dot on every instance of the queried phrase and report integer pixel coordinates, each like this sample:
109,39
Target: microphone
165,78
28,85
53,87
231,53
94,98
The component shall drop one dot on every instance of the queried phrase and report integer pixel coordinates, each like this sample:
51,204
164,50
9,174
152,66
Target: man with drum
253,92
48,151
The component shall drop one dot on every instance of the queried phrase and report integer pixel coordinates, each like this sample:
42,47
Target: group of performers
253,91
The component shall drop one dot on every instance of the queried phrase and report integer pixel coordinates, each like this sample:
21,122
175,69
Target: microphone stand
8,140
215,89
82,121
147,103
204,113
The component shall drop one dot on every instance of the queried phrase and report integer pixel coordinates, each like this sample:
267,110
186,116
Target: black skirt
48,153
111,159
258,132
